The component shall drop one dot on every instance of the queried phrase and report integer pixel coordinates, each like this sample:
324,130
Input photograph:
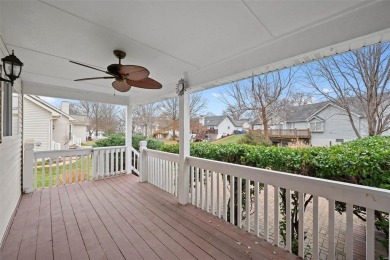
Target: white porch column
129,137
184,147
28,167
143,162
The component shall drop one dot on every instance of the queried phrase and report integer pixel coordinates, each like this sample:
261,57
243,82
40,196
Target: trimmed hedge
365,161
119,140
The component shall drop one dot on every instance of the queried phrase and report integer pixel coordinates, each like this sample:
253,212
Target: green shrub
112,140
153,144
255,139
120,140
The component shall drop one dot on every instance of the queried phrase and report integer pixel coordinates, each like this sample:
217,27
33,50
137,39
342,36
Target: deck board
120,218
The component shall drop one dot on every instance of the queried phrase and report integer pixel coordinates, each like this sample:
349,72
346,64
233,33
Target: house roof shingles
213,120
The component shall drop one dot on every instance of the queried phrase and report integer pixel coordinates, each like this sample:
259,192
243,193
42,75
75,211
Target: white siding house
51,128
10,158
220,126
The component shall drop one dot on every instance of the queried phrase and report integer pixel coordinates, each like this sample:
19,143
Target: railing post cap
143,144
29,144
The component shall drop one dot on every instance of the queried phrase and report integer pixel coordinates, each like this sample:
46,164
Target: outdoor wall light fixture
12,68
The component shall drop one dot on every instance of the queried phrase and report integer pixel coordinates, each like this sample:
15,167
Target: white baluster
349,237
276,216
301,234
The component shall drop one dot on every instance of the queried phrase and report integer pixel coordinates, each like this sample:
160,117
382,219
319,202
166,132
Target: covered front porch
121,218
103,211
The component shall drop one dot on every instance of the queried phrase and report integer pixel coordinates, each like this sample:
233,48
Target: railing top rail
364,196
134,150
108,148
58,153
162,155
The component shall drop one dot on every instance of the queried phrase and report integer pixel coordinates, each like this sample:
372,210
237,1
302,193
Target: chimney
65,107
201,120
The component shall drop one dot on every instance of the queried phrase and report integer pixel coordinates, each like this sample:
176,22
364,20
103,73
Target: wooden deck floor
120,218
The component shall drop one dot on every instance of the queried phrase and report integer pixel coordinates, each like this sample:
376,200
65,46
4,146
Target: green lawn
73,175
169,141
233,139
88,143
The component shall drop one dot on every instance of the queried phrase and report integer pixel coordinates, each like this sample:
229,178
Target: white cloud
216,95
326,90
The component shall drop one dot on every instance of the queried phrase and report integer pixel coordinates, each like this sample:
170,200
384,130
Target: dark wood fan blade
147,83
133,72
84,65
94,78
121,86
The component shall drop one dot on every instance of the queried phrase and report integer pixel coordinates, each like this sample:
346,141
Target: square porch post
184,147
129,137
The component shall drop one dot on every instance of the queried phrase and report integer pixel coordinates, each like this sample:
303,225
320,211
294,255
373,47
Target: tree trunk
265,120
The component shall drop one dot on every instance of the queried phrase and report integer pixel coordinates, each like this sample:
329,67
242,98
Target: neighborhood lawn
169,141
76,170
232,139
88,143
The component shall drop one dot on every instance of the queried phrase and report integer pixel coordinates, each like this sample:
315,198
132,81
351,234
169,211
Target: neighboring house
242,125
218,126
328,124
50,127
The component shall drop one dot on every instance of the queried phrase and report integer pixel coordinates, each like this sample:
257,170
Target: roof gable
40,102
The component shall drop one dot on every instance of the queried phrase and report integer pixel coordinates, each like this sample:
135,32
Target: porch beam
184,147
129,136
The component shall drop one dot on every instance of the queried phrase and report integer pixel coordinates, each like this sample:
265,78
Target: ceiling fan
126,76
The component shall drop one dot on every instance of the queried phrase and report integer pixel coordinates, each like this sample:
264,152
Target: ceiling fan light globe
121,86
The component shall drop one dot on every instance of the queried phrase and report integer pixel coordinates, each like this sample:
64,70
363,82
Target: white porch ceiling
211,42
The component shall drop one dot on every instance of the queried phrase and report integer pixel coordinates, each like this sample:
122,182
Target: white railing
108,161
162,169
53,168
55,145
76,140
43,169
135,160
211,184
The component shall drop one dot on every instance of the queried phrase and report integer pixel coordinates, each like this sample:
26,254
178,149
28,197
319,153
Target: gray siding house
328,123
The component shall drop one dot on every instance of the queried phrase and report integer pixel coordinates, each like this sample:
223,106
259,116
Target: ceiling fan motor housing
114,69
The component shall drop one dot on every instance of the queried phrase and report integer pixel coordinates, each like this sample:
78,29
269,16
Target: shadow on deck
120,218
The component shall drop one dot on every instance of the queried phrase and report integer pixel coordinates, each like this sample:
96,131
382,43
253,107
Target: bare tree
101,116
357,81
145,118
234,112
266,95
170,109
300,99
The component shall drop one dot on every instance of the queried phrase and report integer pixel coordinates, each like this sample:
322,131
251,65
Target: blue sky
214,104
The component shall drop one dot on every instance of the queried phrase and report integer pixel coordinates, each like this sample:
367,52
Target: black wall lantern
12,68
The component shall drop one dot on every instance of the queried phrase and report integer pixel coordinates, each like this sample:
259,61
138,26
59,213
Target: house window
339,140
317,126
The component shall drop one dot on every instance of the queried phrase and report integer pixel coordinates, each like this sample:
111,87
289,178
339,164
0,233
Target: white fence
212,182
